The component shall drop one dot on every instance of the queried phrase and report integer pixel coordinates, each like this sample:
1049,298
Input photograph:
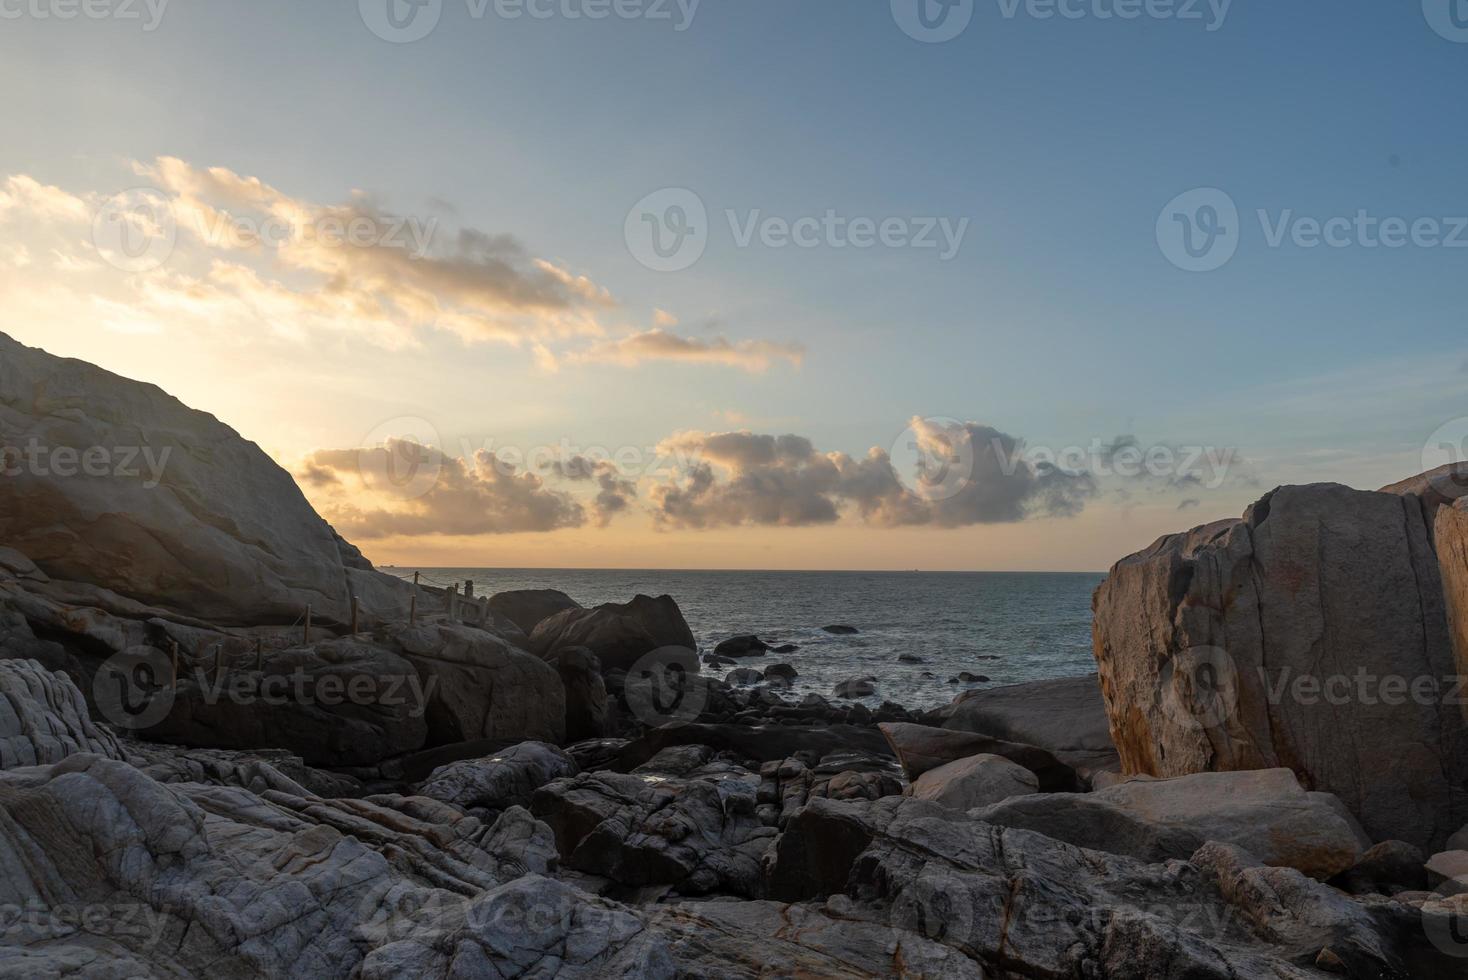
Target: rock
44,719
976,781
1385,869
586,693
482,686
190,880
526,608
761,743
744,676
780,672
1265,811
183,513
856,687
1066,717
618,633
785,648
964,677
258,771
746,645
696,835
1023,905
677,760
343,702
1447,872
910,658
493,784
841,630
921,748
1292,638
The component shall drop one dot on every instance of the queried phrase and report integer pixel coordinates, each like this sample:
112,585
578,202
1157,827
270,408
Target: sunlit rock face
117,484
1313,634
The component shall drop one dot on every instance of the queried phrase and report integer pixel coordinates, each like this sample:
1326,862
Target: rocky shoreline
231,747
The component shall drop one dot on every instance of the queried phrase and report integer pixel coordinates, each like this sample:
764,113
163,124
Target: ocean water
1008,626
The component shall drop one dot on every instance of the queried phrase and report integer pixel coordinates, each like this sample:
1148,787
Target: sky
980,285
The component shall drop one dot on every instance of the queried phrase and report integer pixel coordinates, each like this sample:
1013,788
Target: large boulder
125,487
618,633
974,782
342,702
587,706
527,607
43,718
1065,716
480,686
1312,634
1266,812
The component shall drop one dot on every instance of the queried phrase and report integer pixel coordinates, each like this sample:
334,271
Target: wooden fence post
308,626
355,603
259,654
218,660
173,657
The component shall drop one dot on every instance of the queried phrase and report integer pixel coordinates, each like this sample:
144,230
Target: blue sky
1060,320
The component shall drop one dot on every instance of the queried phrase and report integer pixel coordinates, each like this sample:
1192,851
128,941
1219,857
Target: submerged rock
747,645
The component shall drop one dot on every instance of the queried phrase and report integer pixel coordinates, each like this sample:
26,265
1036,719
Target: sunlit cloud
658,345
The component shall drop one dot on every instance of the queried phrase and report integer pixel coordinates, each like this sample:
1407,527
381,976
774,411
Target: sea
1007,626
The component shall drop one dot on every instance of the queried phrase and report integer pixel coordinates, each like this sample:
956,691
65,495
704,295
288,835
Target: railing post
307,640
355,604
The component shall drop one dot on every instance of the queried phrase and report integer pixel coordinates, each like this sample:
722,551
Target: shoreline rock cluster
194,780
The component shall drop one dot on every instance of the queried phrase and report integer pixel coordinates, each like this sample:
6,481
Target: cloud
747,478
1189,503
28,196
402,488
657,344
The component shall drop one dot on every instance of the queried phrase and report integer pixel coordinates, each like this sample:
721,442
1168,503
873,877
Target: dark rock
744,676
1385,869
746,645
841,630
761,743
1066,717
526,608
618,633
781,672
910,658
586,693
856,687
490,785
785,648
920,748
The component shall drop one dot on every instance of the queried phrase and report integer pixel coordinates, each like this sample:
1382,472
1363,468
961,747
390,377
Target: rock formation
1312,634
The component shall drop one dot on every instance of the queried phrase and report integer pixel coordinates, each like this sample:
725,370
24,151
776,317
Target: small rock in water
910,658
964,677
744,645
744,676
841,630
856,687
783,672
785,648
